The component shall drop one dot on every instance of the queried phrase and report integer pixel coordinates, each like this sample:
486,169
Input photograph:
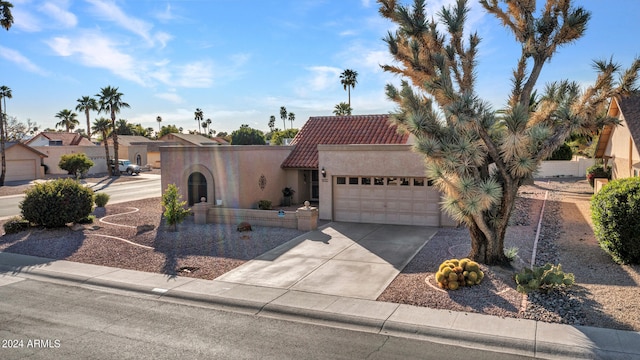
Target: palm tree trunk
88,124
106,152
2,148
115,143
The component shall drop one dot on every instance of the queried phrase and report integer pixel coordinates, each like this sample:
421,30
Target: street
147,187
44,320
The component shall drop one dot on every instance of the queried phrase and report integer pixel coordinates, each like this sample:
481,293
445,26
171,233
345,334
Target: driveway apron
343,259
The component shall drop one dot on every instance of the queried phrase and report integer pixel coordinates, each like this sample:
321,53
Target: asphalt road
45,320
148,186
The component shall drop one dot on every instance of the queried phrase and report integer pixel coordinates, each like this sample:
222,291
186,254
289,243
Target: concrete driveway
343,259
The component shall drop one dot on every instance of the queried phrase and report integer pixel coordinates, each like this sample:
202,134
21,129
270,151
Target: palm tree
342,109
292,117
207,124
199,116
110,100
349,79
67,119
283,116
272,123
86,104
6,18
103,126
5,92
159,120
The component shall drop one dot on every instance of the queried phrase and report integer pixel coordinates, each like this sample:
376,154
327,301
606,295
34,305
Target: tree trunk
116,172
3,139
106,153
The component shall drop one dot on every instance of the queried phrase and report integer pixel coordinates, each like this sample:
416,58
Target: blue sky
240,60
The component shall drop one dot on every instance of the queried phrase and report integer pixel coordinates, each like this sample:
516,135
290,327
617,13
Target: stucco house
23,162
54,144
618,144
357,168
135,149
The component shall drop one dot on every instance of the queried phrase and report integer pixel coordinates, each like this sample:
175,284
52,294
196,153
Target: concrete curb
505,335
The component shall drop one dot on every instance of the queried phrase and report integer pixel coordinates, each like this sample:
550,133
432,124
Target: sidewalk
507,335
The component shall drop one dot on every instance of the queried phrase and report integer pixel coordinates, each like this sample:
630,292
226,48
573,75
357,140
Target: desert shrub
56,203
264,205
15,225
453,274
543,278
615,211
174,207
86,220
564,152
598,171
75,164
101,199
511,253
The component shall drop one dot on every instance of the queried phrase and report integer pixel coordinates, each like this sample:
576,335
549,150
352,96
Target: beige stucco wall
232,172
95,153
18,154
623,152
368,160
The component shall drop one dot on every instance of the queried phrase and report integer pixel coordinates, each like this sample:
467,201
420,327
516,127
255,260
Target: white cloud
111,12
25,21
197,74
22,61
171,97
58,12
322,77
95,50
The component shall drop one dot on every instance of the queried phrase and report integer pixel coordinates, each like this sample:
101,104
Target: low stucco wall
54,153
304,219
555,168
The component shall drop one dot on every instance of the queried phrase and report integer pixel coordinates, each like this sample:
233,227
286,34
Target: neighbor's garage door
385,200
21,170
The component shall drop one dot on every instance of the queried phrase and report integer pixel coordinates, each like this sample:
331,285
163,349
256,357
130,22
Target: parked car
126,166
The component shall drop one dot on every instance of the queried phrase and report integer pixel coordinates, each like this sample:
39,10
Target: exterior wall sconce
323,172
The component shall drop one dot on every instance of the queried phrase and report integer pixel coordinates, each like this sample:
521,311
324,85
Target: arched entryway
138,159
197,188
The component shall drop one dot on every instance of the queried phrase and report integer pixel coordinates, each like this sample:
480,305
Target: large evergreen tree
476,157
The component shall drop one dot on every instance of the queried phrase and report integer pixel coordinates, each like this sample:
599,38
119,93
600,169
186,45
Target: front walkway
342,259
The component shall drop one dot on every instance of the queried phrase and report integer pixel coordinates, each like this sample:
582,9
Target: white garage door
385,200
21,170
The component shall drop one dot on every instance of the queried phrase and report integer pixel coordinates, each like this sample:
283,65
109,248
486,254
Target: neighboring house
192,139
23,162
358,168
55,144
136,149
617,145
55,138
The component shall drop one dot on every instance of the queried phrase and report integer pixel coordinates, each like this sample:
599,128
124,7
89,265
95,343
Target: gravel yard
133,236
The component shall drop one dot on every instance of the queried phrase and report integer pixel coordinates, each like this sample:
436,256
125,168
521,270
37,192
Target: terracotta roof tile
630,108
339,130
67,138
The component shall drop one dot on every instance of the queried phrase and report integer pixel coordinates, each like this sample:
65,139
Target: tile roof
126,140
10,144
67,138
339,130
194,139
629,106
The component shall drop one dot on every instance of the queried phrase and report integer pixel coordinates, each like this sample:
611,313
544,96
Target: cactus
453,274
543,278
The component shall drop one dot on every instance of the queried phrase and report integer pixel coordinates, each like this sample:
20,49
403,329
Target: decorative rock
144,228
244,226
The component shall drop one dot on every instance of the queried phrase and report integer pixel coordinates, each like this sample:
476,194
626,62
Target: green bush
56,203
598,171
75,164
264,205
87,220
543,278
101,199
564,152
174,207
615,211
15,225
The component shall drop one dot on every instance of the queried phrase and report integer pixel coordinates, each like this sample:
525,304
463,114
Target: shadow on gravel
210,241
58,244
